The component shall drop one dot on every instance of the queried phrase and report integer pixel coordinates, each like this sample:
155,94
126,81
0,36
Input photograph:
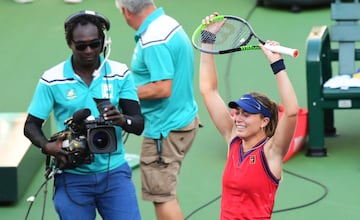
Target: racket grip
283,50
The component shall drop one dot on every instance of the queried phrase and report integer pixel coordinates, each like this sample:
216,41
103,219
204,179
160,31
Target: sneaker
23,1
72,1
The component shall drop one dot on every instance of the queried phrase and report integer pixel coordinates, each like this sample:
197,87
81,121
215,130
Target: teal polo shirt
62,92
164,52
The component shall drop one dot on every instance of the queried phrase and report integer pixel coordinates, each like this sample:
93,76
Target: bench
331,52
19,160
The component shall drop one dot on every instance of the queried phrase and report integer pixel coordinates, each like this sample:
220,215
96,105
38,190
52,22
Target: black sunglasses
82,46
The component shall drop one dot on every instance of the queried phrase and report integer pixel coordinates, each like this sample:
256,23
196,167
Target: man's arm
33,131
155,90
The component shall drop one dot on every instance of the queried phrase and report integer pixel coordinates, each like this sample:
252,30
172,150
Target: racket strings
243,35
232,34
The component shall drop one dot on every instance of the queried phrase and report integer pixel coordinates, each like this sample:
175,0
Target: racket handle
283,50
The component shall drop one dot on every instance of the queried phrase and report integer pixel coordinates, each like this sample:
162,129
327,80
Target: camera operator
104,183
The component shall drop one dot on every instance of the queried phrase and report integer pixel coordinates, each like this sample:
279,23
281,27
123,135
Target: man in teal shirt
88,182
163,70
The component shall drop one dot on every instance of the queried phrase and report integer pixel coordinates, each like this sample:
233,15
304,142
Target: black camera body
85,137
101,136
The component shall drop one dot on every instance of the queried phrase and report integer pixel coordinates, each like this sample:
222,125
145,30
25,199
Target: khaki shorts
159,178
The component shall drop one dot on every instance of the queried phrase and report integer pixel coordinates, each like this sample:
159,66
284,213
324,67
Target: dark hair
83,20
272,107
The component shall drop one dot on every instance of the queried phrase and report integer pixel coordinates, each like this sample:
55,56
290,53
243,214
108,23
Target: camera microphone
80,115
77,121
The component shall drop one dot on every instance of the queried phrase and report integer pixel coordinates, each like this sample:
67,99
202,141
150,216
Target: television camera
86,136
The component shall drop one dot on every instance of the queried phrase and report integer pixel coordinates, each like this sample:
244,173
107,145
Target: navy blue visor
251,105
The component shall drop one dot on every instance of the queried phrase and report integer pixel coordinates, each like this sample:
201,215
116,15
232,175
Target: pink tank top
249,187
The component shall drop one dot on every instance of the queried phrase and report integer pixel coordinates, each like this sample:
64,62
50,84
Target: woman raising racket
257,141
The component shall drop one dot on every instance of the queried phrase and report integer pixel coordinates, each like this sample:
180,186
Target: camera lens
100,139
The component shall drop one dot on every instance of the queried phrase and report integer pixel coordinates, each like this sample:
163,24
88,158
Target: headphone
87,13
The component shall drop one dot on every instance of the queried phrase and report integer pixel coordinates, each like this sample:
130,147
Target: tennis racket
228,34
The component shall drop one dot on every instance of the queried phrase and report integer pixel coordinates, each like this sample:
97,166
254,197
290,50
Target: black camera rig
85,136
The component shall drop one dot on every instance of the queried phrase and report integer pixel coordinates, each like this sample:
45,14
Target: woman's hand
271,56
212,26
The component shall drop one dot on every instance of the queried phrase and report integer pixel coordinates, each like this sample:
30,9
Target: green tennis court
32,40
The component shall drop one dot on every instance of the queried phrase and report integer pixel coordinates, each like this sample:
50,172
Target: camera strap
48,167
159,150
